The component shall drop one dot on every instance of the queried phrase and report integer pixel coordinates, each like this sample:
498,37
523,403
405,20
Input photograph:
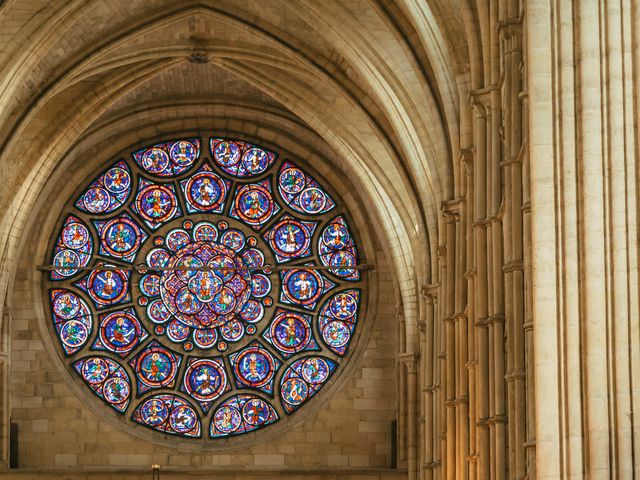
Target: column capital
511,30
431,388
430,292
513,266
466,157
410,360
431,465
515,375
460,316
496,419
481,322
451,209
480,99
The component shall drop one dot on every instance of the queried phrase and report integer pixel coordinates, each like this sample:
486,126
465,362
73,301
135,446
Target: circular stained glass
95,370
289,332
201,327
205,380
73,333
120,237
75,235
154,412
227,419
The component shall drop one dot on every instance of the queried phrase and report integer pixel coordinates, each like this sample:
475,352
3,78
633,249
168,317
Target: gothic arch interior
484,154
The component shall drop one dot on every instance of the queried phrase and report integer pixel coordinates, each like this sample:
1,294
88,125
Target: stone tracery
204,284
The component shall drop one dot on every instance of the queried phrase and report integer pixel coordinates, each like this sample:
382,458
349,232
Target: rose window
204,294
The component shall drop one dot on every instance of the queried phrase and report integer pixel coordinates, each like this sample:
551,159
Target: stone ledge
173,473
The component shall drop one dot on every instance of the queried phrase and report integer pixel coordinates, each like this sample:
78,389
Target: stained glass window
204,293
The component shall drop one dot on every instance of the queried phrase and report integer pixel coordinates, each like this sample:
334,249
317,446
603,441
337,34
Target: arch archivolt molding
114,138
121,84
327,105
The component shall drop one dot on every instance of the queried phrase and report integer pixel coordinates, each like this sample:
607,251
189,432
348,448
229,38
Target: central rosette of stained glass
205,285
209,288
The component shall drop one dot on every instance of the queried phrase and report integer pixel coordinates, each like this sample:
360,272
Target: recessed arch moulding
371,147
389,153
86,160
96,150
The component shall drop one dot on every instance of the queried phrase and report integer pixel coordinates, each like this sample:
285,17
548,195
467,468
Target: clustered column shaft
475,374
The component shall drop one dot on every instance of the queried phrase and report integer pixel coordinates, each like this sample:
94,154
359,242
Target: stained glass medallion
301,192
108,192
107,378
73,249
204,292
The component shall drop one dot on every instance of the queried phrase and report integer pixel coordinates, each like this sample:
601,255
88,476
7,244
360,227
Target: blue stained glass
107,379
106,287
254,204
203,299
120,237
254,367
240,414
241,159
156,203
205,380
168,159
73,248
205,338
155,367
205,191
290,332
303,379
204,283
301,192
337,320
290,239
72,319
304,287
108,192
169,414
337,249
120,332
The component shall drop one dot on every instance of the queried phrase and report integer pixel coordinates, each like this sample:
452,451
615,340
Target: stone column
430,362
481,296
514,150
409,363
5,407
402,390
583,115
468,313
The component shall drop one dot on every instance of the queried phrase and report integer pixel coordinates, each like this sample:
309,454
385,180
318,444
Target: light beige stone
487,152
